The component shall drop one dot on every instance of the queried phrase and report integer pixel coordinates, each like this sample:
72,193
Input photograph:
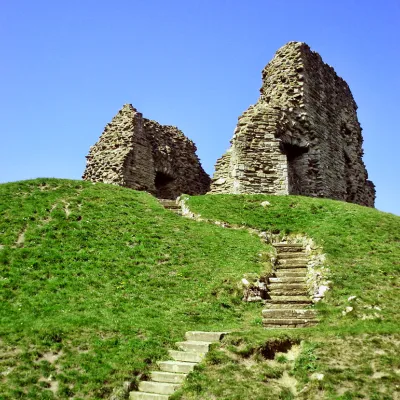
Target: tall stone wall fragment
142,154
301,137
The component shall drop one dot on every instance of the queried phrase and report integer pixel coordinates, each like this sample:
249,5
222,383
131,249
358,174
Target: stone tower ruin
142,154
302,136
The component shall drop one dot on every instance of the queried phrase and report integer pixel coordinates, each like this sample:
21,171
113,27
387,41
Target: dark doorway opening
297,167
164,186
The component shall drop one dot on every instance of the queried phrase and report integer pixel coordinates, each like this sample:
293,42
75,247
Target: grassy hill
98,281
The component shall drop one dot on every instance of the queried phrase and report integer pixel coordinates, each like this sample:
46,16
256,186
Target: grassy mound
356,352
98,281
362,246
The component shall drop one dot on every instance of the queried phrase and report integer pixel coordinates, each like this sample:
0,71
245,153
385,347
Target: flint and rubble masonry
142,154
301,137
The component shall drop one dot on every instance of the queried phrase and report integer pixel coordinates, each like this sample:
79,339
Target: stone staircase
172,373
289,301
171,205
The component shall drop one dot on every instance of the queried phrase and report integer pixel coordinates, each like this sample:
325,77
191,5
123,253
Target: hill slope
355,351
98,281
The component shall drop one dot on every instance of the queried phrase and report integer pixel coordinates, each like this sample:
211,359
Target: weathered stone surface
158,387
291,273
147,396
176,366
301,137
142,154
186,356
160,376
194,346
286,285
289,313
204,336
283,323
287,279
286,255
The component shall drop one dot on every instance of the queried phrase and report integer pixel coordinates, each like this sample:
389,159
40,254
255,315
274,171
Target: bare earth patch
21,238
369,358
66,208
53,385
50,357
289,382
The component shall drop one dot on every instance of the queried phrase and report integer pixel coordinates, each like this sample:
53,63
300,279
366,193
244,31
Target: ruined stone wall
254,164
301,137
142,154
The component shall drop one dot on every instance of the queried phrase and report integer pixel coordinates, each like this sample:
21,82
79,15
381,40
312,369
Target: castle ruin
142,154
302,137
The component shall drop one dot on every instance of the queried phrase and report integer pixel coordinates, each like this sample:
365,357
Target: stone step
173,207
158,387
288,255
284,250
288,293
299,323
289,313
173,373
283,245
170,377
289,279
292,263
194,346
283,261
176,366
167,201
287,272
147,396
283,326
287,306
286,285
282,301
288,248
186,356
267,326
200,336
170,204
289,299
292,260
300,268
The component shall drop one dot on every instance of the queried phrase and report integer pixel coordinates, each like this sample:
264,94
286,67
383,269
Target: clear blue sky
68,66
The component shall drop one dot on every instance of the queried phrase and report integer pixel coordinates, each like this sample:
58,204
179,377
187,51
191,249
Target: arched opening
164,185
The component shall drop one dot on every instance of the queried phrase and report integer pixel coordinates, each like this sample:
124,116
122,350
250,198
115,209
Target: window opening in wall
164,185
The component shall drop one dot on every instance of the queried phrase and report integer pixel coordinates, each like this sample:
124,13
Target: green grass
98,281
111,286
356,352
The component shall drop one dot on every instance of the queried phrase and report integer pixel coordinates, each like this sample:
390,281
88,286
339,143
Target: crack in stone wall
142,154
301,137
